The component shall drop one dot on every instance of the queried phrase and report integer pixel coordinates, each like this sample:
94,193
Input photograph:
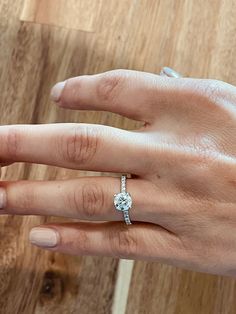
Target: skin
182,162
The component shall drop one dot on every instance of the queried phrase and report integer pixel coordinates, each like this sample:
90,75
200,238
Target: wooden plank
121,292
194,37
75,14
162,289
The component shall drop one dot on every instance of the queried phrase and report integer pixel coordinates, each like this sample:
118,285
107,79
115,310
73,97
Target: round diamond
123,201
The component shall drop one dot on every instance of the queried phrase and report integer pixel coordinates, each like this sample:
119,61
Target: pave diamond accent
126,217
123,201
123,184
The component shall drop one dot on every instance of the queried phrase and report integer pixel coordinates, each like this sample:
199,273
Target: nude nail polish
57,91
44,237
2,198
170,72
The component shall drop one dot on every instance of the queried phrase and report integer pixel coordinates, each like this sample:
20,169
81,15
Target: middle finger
75,146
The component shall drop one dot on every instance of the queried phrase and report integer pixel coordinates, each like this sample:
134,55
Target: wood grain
74,14
197,38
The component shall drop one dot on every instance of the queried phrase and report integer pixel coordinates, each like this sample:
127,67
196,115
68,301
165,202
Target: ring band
123,201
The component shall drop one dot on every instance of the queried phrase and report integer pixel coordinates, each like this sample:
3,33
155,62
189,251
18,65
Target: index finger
133,94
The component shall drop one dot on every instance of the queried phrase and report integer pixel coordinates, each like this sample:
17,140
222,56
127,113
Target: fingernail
44,237
2,198
170,72
57,91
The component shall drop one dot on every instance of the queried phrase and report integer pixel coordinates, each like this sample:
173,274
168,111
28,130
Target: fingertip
2,198
57,90
169,72
44,237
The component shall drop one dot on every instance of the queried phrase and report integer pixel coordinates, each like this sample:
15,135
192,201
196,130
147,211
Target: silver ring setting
123,201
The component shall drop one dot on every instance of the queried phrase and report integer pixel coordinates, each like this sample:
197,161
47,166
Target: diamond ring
123,201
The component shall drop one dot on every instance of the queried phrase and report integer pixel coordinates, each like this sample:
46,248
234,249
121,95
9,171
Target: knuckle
109,85
82,242
12,141
123,242
26,199
80,146
88,201
92,199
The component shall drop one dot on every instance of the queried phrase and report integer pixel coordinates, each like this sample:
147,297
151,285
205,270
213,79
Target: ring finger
88,198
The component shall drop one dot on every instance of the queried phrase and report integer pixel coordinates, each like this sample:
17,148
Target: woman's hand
182,161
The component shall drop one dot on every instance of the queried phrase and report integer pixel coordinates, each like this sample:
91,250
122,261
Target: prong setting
123,201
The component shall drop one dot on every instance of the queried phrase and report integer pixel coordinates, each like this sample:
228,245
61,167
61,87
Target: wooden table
40,46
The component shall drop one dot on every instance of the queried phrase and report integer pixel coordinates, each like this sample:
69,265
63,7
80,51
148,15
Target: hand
182,161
